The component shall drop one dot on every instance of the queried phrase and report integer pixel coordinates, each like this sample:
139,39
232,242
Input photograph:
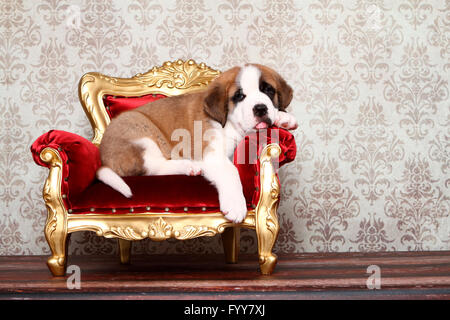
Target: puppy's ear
216,103
284,93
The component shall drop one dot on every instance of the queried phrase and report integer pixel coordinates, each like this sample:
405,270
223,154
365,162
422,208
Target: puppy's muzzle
260,110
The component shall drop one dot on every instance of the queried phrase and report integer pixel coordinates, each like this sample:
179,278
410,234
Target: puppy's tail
112,179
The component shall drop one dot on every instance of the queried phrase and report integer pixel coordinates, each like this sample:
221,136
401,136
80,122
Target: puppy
143,141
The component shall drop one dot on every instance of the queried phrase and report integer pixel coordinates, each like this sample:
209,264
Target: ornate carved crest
179,74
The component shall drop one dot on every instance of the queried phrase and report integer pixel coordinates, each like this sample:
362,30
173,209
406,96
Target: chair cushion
177,193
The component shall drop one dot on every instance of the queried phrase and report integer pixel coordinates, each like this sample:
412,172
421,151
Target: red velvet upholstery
80,158
85,194
247,152
175,192
116,105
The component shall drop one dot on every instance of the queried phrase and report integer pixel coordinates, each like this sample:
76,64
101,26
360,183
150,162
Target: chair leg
266,219
230,240
125,251
56,232
267,229
57,239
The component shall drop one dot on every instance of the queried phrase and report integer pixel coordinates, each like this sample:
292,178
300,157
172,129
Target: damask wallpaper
371,96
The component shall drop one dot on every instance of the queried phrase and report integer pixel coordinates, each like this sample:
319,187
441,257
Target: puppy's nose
260,110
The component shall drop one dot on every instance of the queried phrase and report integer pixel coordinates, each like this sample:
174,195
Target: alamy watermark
374,280
190,145
373,16
74,280
73,17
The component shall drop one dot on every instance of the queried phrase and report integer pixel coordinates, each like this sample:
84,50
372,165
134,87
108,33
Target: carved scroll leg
125,251
230,240
266,240
57,239
267,226
56,225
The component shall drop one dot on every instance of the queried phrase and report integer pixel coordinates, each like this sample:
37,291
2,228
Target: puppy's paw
195,170
233,207
191,168
286,120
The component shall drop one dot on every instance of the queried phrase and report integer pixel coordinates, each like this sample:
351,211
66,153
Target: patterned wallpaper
371,96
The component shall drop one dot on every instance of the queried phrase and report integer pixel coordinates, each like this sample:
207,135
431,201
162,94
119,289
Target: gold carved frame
172,78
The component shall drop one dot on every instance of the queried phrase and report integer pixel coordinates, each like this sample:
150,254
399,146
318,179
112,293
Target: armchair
162,207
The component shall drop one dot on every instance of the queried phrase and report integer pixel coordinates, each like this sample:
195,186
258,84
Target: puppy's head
248,96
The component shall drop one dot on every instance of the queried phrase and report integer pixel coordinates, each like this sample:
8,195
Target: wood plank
297,276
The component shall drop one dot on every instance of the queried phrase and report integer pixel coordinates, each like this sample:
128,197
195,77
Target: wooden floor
301,276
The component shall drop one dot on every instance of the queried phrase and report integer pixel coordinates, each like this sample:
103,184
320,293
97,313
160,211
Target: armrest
249,150
80,160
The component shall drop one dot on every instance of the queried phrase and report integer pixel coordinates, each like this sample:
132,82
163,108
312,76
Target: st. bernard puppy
141,141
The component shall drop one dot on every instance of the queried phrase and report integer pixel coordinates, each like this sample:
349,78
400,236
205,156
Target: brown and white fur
141,141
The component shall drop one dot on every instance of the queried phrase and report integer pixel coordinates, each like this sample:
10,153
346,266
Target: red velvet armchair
162,207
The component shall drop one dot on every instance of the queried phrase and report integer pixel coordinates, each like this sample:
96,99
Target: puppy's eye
238,96
266,88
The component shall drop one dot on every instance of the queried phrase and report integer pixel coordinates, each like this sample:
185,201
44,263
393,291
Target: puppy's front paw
286,120
195,170
233,207
191,168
